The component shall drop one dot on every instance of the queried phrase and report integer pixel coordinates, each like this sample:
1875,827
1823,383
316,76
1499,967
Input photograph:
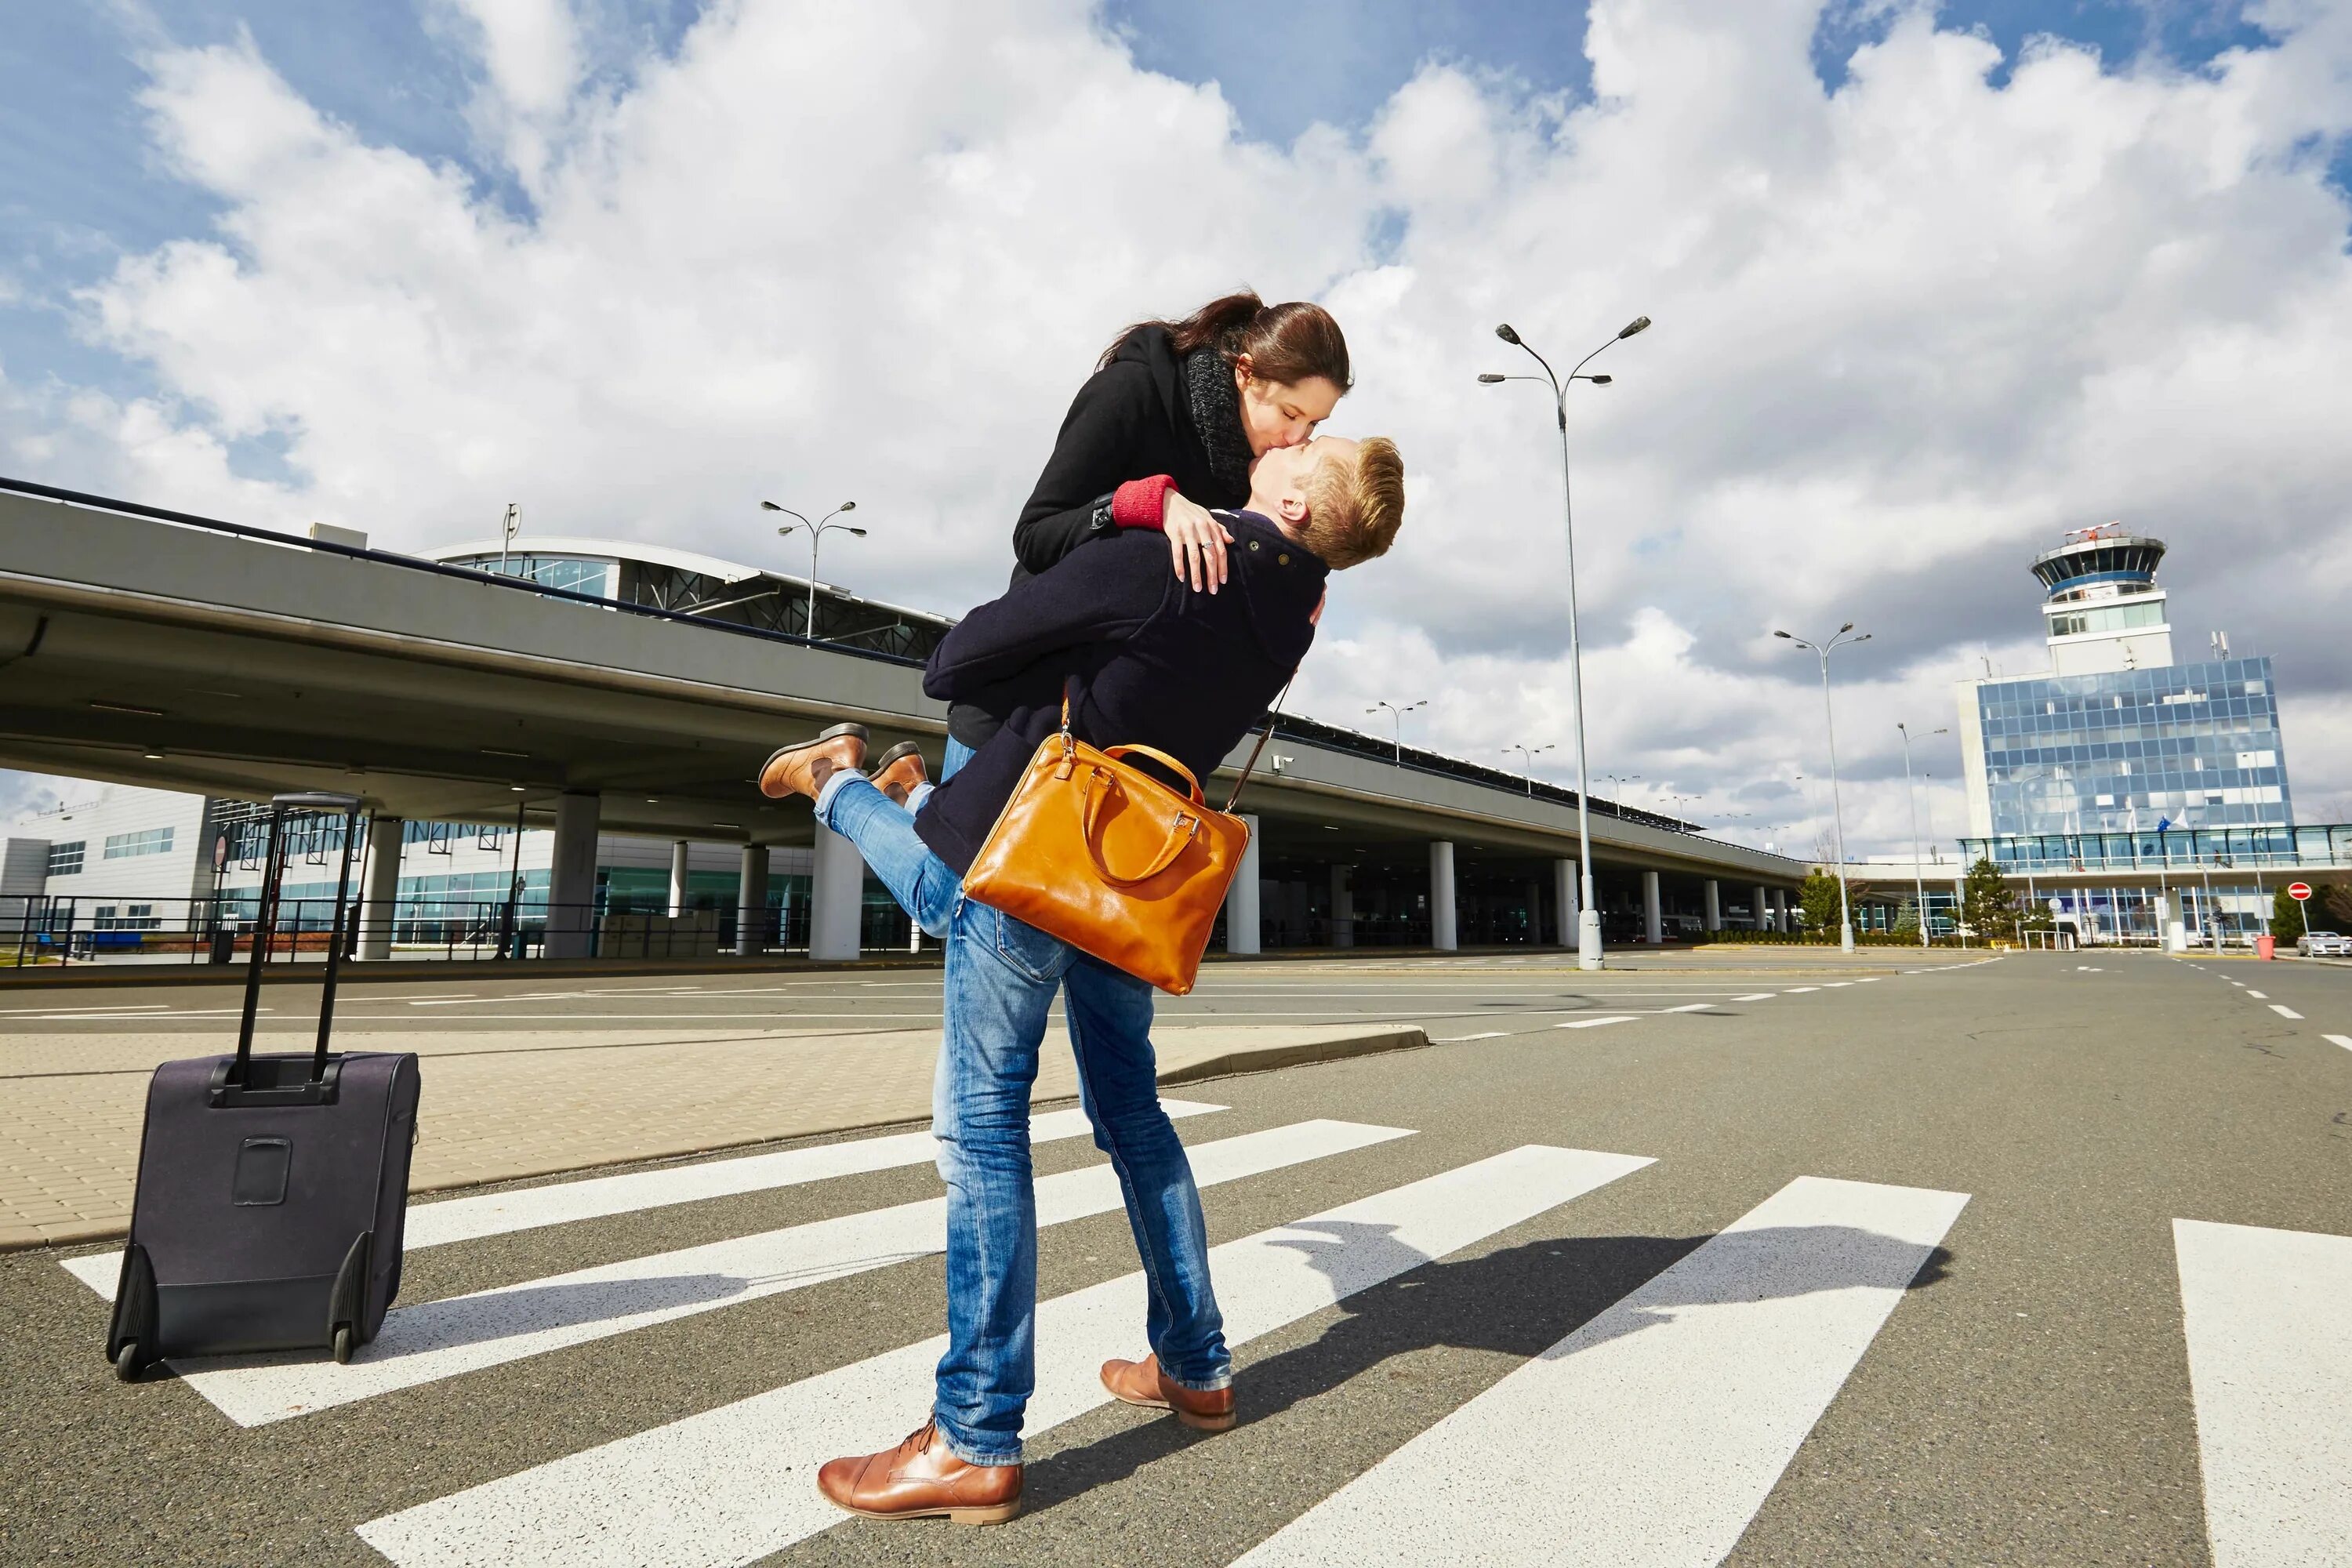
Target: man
1153,662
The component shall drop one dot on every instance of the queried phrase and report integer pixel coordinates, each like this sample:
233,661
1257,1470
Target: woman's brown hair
1289,342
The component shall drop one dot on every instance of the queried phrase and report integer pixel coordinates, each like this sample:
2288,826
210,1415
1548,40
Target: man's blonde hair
1354,509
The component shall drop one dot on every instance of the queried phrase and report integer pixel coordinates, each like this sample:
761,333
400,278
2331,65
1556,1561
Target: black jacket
1157,664
1129,421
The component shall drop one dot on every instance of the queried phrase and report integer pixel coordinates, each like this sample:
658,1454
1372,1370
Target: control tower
2101,602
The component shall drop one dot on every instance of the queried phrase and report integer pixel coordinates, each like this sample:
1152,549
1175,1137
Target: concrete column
837,898
1714,905
1563,893
678,853
1534,913
380,886
1652,921
571,878
1242,922
1440,896
1780,910
1763,915
1343,909
751,901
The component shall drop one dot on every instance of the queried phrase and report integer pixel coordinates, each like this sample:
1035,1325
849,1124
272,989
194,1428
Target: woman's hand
1196,541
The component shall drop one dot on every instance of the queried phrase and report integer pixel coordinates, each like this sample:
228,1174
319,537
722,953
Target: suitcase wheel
344,1342
127,1362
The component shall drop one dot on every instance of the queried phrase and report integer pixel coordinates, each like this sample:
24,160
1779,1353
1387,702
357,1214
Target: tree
2338,896
1987,905
1819,899
1906,920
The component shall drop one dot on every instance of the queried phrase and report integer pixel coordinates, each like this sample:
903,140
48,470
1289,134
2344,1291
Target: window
65,860
130,917
151,841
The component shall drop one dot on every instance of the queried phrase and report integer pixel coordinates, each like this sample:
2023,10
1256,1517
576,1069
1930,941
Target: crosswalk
1667,1418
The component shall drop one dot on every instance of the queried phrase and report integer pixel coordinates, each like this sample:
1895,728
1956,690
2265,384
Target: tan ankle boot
802,769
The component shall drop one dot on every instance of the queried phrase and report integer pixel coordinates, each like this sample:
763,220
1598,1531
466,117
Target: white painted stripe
2238,984
466,1333
2259,995
1799,990
732,1484
1596,1023
1458,1039
2270,1367
1834,984
438,1223
1692,1007
1649,1437
2283,1011
1758,996
1870,980
2344,1040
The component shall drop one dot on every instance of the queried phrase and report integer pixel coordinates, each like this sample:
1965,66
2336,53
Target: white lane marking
2283,1011
1870,980
1799,990
1457,1039
1665,1421
1596,1023
1758,996
2344,1040
2270,1368
2238,984
1693,1007
734,1484
54,1010
438,1223
464,1333
2259,995
1834,984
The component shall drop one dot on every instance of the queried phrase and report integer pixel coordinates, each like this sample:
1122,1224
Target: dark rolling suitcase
272,1189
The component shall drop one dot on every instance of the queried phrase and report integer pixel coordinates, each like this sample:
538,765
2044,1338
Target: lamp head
857,533
770,506
1491,379
846,506
1599,380
786,529
1638,324
1505,333
1783,635
1845,628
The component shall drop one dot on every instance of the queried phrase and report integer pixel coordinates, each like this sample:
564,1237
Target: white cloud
1906,333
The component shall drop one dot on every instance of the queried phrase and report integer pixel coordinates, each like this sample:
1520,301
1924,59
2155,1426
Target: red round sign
2298,891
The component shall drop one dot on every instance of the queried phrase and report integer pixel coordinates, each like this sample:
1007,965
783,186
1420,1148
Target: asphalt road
1884,1272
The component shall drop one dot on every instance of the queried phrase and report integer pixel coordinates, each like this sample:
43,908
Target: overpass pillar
837,898
1653,918
1780,910
1563,894
1763,916
1440,896
1714,905
679,873
571,878
380,889
1242,922
751,902
1343,909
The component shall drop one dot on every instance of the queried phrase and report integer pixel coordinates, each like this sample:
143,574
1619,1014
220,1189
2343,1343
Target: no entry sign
2298,891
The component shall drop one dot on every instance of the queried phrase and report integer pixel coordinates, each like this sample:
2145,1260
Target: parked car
2322,944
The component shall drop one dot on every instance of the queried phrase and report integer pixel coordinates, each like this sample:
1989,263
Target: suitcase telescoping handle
266,922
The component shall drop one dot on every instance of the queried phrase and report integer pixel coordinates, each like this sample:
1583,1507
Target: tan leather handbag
1097,853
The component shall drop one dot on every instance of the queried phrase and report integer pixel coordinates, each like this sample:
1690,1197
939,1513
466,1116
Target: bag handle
1164,760
1181,832
1264,735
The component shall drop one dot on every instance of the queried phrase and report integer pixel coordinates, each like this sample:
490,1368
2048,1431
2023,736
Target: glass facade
574,573
2118,751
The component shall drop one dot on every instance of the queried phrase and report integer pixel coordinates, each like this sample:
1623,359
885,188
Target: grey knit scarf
1215,405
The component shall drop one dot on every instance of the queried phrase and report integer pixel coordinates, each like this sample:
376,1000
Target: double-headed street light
1588,925
1837,814
1397,714
1911,798
816,532
1527,754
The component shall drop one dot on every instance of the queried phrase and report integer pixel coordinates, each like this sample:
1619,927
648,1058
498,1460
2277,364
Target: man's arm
1093,597
1072,502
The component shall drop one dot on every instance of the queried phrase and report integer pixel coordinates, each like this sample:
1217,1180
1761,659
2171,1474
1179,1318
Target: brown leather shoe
1142,1382
898,770
802,769
922,1478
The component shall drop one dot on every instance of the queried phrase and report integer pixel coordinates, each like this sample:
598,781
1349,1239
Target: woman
1165,429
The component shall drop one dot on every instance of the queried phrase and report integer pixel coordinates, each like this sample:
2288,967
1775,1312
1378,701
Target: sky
1932,285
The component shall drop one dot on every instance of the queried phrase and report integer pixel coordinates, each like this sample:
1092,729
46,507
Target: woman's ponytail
1288,342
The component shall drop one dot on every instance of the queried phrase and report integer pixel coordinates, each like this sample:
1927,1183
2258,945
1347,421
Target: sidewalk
500,1106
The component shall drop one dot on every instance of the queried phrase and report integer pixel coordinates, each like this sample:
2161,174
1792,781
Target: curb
1228,1064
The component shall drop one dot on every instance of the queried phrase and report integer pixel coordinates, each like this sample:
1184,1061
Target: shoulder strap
1262,737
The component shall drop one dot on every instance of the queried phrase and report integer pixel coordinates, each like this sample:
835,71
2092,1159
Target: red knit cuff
1137,503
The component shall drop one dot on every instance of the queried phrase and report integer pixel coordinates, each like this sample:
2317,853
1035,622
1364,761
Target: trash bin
2264,946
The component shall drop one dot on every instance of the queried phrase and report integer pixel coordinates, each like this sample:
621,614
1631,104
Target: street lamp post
1527,754
1587,924
1397,714
1837,813
1911,799
816,532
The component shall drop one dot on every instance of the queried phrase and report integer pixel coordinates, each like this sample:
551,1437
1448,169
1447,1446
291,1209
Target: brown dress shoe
1142,1382
898,770
922,1478
802,769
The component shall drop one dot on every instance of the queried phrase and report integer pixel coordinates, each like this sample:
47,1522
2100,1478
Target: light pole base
1588,939
1845,938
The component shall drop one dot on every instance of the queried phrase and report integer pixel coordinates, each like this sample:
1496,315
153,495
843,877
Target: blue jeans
1001,976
